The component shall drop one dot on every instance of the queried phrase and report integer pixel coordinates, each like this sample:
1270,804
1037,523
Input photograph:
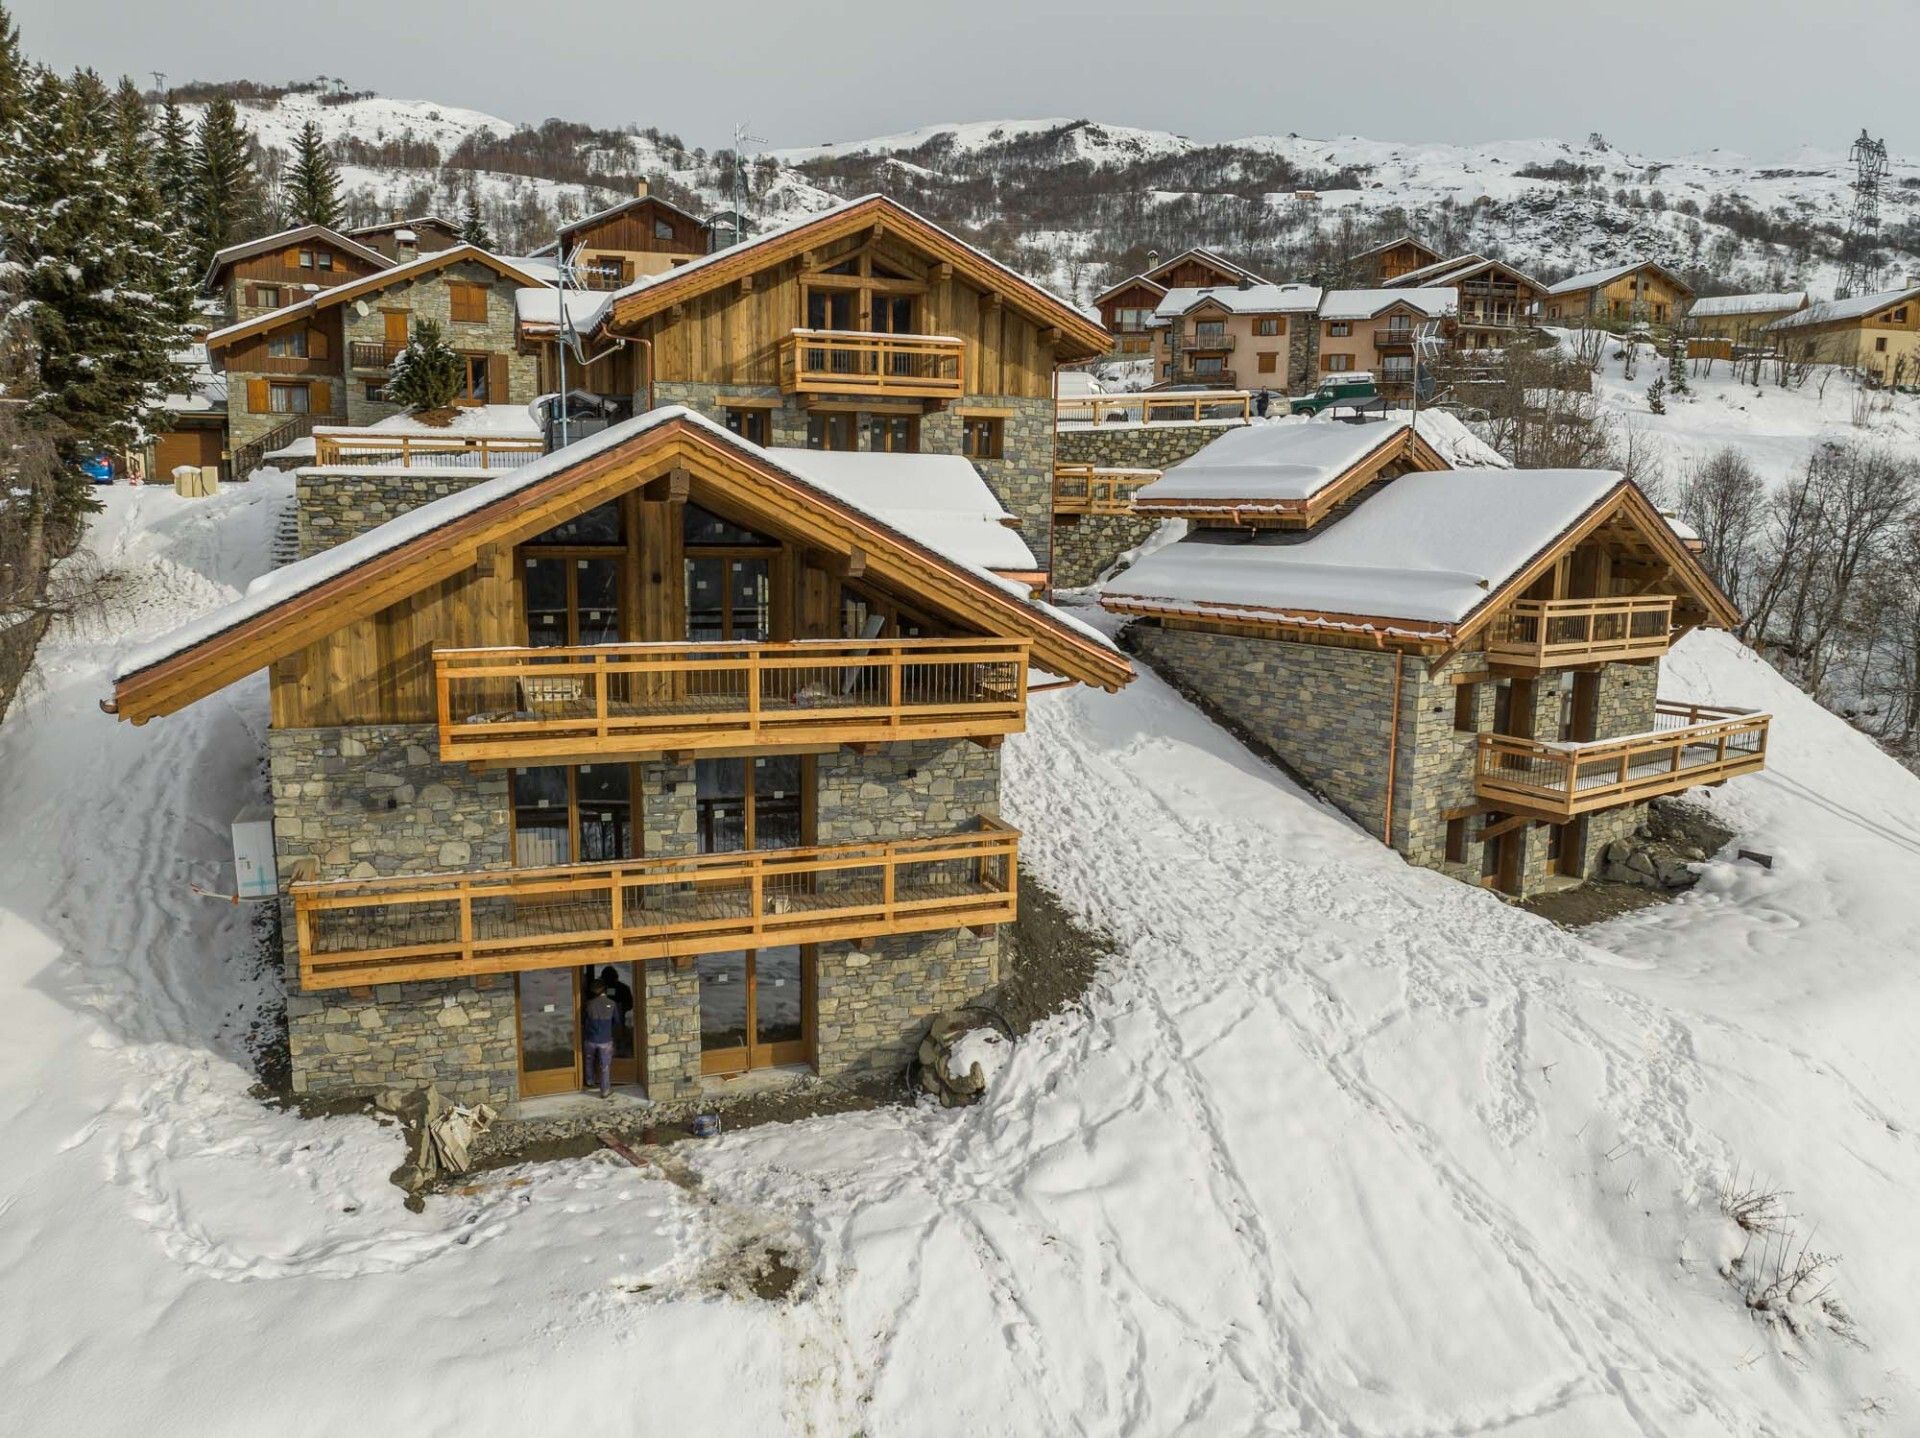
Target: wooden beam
1506,825
674,485
987,741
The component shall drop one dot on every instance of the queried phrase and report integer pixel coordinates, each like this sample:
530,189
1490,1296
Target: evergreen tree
1677,365
159,258
227,203
313,183
173,161
427,374
473,229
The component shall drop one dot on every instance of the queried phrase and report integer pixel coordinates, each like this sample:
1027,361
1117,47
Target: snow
1859,307
1426,551
1365,304
1334,1145
375,119
541,307
939,500
1242,299
1292,458
1713,306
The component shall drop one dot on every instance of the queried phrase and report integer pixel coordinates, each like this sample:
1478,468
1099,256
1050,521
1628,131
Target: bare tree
1723,500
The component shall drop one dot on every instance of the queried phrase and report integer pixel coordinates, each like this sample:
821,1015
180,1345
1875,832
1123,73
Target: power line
1858,268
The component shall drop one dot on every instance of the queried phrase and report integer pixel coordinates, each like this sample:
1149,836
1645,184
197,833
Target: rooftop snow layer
1289,459
280,585
1365,304
1714,305
1588,279
1426,551
1243,299
1859,307
541,307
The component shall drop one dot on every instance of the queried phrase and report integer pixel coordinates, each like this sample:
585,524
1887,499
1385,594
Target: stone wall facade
1086,547
332,508
461,1036
1021,479
871,1003
430,298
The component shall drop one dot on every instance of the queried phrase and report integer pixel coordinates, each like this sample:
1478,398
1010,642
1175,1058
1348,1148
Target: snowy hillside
1337,1145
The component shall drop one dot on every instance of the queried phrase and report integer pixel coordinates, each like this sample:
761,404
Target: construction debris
440,1135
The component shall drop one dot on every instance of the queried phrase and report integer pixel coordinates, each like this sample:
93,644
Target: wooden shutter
497,380
259,401
320,397
316,344
253,295
293,258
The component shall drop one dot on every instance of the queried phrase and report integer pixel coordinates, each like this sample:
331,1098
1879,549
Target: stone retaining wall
461,1036
333,508
1086,547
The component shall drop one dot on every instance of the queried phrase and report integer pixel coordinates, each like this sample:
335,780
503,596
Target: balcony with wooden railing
1692,744
889,365
1094,489
603,700
442,926
1394,337
1554,633
406,450
1155,407
372,354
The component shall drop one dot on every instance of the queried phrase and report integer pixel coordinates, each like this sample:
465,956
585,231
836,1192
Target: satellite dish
361,308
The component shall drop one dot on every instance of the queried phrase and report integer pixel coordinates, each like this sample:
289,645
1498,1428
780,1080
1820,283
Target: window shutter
316,344
293,258
258,400
253,295
497,380
320,397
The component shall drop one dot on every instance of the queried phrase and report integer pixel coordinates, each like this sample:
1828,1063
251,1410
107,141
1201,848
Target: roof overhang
1405,443
287,239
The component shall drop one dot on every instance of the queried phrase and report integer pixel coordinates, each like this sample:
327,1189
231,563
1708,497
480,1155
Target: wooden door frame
721,1063
633,769
546,1085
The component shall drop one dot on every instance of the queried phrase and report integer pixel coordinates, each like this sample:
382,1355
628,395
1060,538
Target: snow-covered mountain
1078,202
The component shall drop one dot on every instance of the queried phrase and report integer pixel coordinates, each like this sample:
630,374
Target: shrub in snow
428,374
1657,394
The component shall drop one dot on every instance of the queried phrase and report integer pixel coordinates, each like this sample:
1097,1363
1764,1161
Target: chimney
1246,282
640,189
1153,258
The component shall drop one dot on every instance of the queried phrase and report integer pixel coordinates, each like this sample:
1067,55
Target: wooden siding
632,230
322,360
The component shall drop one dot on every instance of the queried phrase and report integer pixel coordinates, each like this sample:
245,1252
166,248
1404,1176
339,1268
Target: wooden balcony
1394,337
1208,341
439,926
1692,744
541,705
372,355
1090,489
402,448
1222,379
888,365
1155,407
1556,633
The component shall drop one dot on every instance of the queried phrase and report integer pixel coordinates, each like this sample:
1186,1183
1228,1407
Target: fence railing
1155,406
1393,335
1543,633
438,451
1094,489
533,704
1691,744
434,926
844,362
372,354
250,456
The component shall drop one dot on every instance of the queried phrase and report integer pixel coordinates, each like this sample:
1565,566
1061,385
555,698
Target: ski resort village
1026,778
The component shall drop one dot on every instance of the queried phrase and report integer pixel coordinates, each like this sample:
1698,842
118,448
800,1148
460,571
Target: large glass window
572,814
751,803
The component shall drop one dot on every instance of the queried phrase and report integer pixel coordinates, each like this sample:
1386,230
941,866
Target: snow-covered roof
1424,553
279,586
1289,459
1076,384
1593,279
1200,252
286,238
1260,299
1365,304
1451,267
417,222
938,499
1858,308
1127,283
1762,304
540,308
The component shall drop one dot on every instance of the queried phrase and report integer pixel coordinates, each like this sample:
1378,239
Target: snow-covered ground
1337,1146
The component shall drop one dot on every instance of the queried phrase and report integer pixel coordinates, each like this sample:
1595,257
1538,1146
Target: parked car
98,468
1355,389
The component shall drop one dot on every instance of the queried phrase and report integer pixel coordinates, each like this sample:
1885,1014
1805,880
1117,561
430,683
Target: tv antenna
740,139
1869,160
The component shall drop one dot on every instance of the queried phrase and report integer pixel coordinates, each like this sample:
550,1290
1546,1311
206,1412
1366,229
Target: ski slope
1336,1146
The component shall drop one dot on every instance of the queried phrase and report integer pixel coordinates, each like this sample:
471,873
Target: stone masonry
429,298
334,507
1084,548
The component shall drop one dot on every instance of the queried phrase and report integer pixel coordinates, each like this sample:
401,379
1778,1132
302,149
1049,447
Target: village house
1493,300
1244,335
1390,260
256,276
861,328
401,239
1876,334
1126,311
720,718
645,235
324,358
1740,319
1639,292
1465,661
1375,330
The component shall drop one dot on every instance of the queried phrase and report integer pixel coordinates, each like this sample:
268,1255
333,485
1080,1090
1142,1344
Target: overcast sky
1762,76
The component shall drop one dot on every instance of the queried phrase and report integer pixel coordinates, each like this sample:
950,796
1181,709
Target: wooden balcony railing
1211,341
372,354
436,926
1490,319
1393,337
1692,744
1155,406
452,450
845,362
1092,489
1214,378
517,705
1548,633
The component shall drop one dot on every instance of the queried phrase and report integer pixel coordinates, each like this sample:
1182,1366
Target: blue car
99,469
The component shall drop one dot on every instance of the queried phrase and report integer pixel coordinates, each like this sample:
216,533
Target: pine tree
159,258
427,374
473,229
313,183
173,161
1657,394
1677,365
227,202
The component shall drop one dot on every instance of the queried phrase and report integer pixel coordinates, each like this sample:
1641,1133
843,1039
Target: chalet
1198,269
324,359
403,239
642,236
1465,661
282,269
1493,300
861,328
1741,318
1640,292
1877,334
1126,311
1391,259
1257,336
721,718
1375,330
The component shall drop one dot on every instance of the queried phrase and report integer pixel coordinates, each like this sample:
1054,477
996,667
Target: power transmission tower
1869,160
